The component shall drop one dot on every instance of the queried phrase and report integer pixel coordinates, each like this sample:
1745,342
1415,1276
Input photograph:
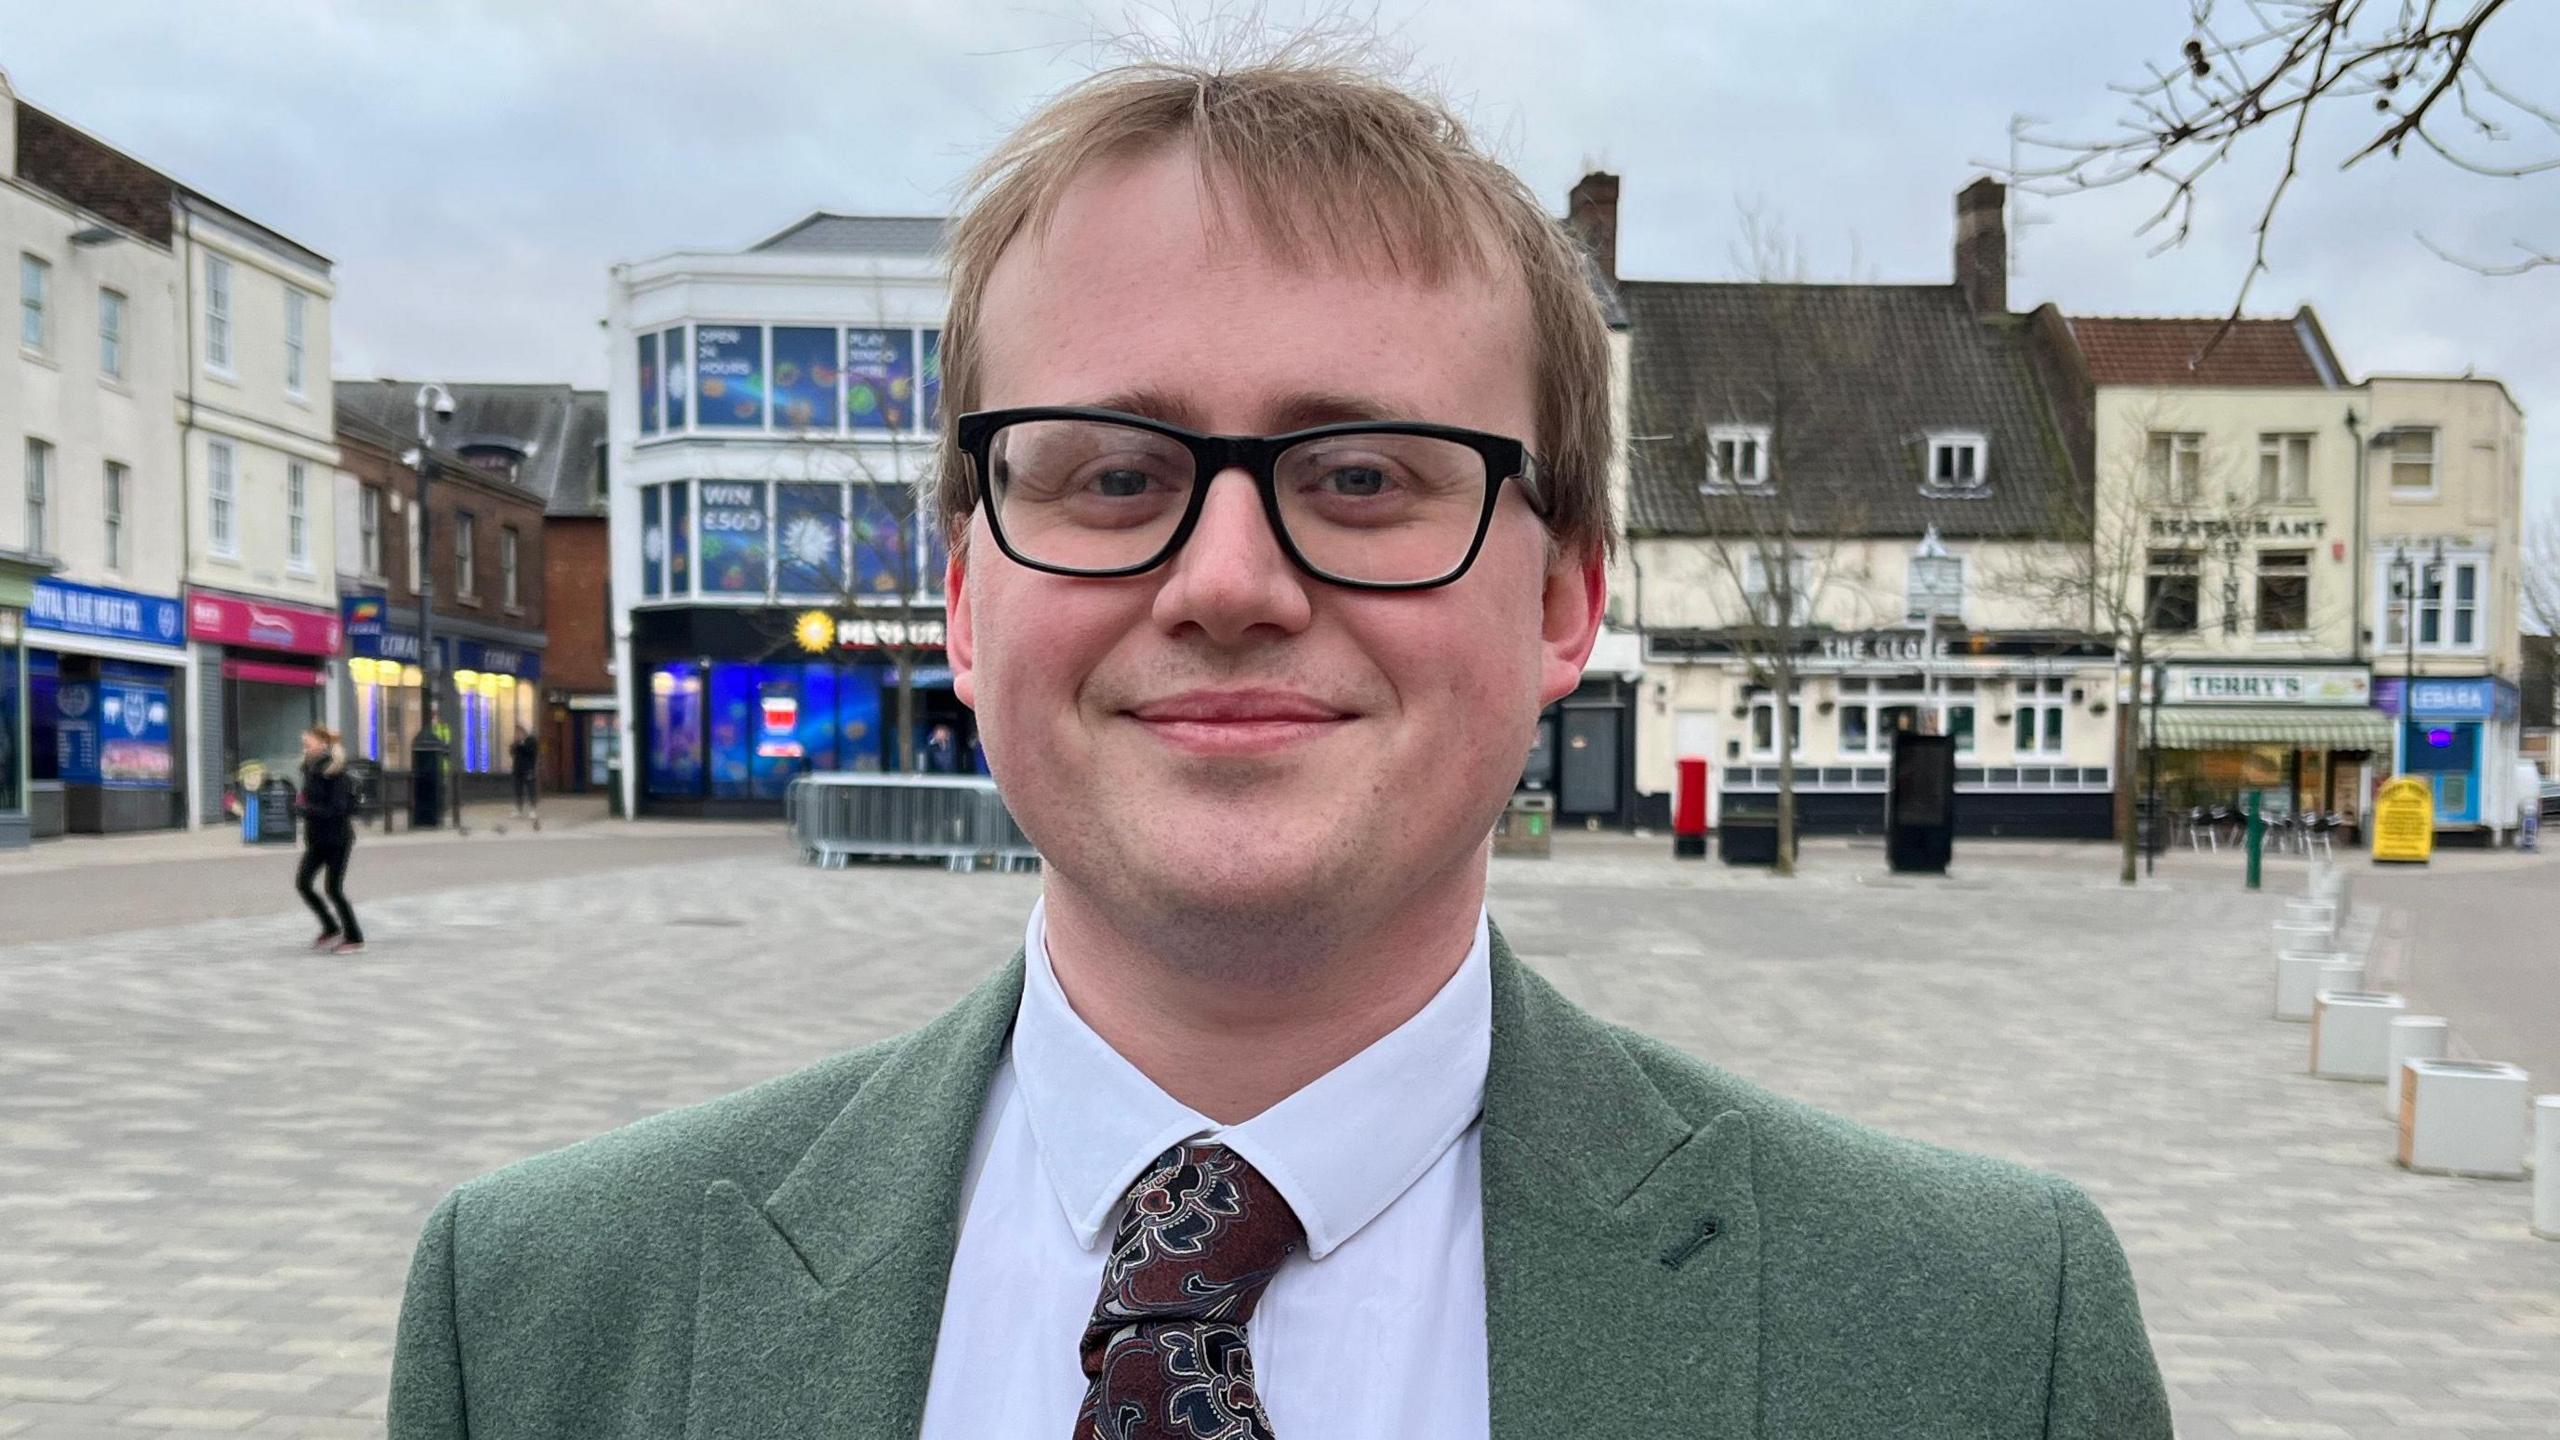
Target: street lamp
427,758
2406,577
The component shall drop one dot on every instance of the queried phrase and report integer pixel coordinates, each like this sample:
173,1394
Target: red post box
1689,820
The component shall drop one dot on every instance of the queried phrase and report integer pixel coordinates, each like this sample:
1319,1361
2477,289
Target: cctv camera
444,406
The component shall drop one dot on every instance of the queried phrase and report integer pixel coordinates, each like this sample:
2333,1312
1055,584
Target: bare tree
2542,572
2419,66
2128,562
1783,534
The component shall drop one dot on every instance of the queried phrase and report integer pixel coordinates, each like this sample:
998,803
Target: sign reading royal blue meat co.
108,614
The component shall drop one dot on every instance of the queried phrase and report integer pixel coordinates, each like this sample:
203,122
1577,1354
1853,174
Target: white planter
2294,937
2342,972
2546,1167
2351,1033
2413,1037
2298,982
2312,912
2464,1117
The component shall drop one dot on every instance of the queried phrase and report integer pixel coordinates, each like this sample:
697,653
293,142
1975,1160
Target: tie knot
1202,1236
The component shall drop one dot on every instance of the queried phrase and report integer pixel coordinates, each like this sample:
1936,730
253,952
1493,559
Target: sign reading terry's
2270,685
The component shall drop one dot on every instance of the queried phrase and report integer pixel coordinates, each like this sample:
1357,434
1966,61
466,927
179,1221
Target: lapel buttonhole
1680,1254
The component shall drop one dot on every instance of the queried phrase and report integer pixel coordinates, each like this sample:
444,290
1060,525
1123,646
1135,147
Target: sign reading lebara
2270,685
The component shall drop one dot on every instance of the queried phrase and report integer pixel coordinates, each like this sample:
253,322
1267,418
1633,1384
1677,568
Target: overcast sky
473,168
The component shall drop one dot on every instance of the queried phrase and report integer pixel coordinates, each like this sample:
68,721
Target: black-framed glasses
1377,505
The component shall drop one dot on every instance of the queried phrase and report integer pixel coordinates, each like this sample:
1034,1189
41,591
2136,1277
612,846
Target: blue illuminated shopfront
2459,734
730,704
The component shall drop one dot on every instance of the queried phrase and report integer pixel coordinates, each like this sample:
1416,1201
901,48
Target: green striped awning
2204,727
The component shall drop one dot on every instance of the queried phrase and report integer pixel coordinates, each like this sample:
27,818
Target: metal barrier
958,819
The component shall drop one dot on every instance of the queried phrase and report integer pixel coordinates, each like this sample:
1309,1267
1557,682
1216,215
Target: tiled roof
2183,351
555,427
861,234
1854,379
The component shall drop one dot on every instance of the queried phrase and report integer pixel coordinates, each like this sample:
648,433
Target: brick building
485,584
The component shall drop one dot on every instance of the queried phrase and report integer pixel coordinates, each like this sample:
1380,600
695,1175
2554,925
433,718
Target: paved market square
216,1148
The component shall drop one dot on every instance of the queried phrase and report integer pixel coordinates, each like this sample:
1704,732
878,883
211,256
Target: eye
1121,484
1354,481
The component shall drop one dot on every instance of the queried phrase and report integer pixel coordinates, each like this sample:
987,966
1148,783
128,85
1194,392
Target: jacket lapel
820,1303
1621,1240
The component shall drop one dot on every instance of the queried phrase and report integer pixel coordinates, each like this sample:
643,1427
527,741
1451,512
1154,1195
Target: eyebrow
1299,411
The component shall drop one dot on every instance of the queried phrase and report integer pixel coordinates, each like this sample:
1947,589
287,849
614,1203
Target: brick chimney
1591,213
1982,246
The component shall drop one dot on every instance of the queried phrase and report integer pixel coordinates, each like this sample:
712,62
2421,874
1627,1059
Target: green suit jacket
1668,1252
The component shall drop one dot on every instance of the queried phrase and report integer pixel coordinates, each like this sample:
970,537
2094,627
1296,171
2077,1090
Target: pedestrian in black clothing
328,807
526,752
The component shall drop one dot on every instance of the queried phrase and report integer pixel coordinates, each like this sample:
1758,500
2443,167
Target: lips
1238,722
1239,707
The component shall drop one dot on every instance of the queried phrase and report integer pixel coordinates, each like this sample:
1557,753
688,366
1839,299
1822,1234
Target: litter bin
426,783
1748,835
1526,826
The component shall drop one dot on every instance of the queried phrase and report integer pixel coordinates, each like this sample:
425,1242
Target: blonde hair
324,735
1328,161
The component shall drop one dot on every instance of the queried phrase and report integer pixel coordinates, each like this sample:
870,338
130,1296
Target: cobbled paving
216,1148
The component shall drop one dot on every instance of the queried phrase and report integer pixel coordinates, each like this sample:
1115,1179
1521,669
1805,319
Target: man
526,757
1266,1133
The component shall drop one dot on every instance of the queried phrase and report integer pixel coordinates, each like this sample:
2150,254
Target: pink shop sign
265,624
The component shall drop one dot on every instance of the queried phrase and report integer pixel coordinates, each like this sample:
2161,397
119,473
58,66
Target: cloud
474,167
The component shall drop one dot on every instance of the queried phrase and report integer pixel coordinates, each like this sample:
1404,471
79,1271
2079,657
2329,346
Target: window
220,500
1854,728
1764,727
110,334
2175,462
35,317
466,574
2448,602
1764,604
507,565
294,300
2284,469
297,516
117,476
2039,715
39,477
217,313
1738,455
2284,592
369,530
2169,586
1957,462
2413,462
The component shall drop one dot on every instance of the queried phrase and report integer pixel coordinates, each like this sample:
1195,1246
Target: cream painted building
177,354
2262,514
90,485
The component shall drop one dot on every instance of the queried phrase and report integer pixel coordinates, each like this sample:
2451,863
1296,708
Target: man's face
1225,737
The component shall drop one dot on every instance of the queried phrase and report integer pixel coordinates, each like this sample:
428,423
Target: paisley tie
1164,1354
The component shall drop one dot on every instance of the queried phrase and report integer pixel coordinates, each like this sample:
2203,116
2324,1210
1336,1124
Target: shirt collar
1097,1120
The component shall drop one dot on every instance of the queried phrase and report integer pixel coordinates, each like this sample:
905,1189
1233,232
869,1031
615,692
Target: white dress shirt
1375,1331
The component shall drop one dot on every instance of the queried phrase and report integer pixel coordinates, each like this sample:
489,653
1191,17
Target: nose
1231,577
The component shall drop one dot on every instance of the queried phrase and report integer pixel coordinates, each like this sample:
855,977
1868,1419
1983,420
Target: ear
960,628
1577,596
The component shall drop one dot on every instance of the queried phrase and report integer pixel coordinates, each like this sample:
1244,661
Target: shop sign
2270,685
2263,527
2404,821
863,632
728,376
469,654
1858,647
108,614
2457,699
264,624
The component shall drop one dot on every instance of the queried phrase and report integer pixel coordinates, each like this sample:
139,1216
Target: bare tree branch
2188,118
